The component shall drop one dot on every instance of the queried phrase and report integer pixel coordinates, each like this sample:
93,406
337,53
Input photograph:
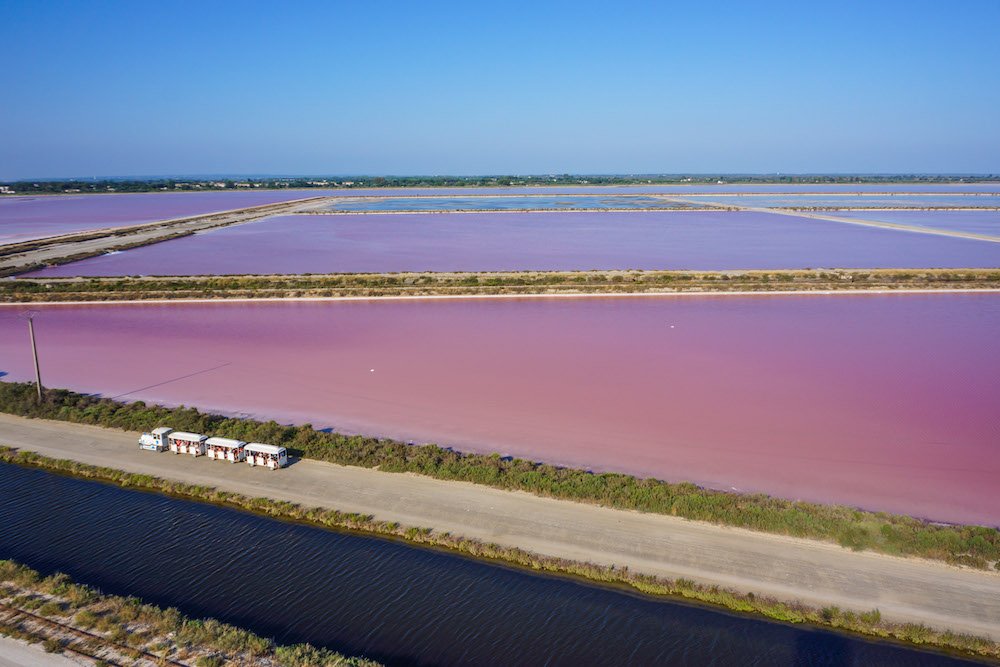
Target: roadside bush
50,609
85,619
53,646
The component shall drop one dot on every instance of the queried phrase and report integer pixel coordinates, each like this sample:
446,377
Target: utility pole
34,354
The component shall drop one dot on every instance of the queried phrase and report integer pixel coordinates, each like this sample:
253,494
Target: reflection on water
374,597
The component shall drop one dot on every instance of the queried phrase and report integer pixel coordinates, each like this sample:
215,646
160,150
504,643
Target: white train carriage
181,442
268,456
155,440
225,449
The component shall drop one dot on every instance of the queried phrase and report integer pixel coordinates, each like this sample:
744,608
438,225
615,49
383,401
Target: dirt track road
16,653
908,590
934,231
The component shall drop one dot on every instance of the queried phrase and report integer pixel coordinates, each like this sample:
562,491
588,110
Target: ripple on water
370,596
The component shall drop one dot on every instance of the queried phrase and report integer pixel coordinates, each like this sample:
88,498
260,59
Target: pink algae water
887,402
24,218
555,240
27,218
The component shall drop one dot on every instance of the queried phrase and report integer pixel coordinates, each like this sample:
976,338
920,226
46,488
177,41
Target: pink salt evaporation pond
887,402
567,241
26,217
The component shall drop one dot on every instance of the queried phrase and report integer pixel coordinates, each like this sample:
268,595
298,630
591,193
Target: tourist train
225,449
181,442
156,440
215,448
269,456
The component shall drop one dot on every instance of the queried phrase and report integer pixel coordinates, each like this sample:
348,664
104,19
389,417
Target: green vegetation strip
867,623
129,628
487,283
975,546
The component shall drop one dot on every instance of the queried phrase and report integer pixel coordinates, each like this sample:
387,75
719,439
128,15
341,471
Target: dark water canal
369,596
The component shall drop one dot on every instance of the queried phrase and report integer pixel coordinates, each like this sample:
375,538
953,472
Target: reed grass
129,621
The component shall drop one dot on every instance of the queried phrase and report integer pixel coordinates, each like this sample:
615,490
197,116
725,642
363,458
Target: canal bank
817,574
81,625
368,596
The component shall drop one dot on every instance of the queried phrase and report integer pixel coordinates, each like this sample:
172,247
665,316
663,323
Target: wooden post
34,354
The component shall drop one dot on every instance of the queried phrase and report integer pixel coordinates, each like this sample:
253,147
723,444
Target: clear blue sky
142,88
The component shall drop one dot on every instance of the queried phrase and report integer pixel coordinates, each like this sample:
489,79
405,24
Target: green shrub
53,646
86,619
52,608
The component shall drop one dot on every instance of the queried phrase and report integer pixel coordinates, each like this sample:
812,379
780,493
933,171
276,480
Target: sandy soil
816,573
17,653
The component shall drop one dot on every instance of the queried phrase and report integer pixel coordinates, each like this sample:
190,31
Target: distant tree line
70,186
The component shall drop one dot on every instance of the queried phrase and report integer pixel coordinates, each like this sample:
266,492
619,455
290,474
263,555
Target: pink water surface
699,240
26,218
883,401
29,217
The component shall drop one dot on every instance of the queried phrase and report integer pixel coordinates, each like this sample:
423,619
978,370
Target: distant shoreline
703,208
638,183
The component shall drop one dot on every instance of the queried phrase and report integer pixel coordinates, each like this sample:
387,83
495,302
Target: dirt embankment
905,590
21,257
77,624
492,283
